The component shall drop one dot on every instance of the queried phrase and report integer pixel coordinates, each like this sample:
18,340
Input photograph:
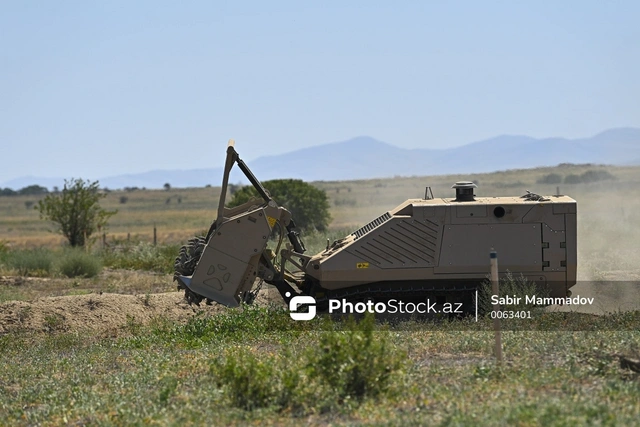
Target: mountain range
365,157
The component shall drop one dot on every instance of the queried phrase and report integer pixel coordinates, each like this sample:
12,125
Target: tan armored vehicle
425,248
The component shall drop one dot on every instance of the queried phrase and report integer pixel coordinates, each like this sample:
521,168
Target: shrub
30,262
251,382
345,366
76,263
356,363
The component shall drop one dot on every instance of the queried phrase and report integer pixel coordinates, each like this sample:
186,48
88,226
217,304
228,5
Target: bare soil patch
100,312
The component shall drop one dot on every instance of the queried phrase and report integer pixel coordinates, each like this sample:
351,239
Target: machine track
407,291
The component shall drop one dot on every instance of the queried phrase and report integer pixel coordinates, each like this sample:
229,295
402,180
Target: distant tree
596,175
308,205
552,178
76,210
573,179
33,190
7,192
167,186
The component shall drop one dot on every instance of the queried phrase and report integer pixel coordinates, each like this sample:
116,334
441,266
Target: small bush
30,262
76,263
356,363
346,366
251,382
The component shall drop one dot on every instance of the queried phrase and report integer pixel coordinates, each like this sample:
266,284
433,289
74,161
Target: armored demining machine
436,248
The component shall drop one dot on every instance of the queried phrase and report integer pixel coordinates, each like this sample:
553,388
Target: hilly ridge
364,157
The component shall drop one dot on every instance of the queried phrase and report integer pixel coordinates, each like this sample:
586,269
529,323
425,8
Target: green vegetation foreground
257,366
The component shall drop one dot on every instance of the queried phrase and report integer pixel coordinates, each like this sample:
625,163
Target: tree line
31,190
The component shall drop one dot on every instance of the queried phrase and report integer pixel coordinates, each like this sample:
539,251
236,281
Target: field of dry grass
608,211
179,213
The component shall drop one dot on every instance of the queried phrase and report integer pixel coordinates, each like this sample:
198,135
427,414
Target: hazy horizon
104,89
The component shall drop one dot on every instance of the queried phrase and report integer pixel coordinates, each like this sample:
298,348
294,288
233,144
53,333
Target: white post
495,285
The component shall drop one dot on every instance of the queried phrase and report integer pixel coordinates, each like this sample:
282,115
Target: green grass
43,262
29,262
172,374
141,256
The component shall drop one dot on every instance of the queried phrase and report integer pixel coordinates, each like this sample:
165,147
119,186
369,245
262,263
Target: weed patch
356,363
77,263
141,256
343,369
30,262
517,287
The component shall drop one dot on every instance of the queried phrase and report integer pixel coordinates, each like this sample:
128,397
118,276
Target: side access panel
465,248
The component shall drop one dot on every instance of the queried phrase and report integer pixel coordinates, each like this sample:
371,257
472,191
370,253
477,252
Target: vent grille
405,243
373,224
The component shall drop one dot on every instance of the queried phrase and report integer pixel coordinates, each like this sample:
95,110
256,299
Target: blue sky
95,89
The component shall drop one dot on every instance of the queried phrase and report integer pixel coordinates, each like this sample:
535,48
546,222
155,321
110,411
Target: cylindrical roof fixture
464,191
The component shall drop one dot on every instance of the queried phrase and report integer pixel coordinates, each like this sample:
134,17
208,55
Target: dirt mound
100,312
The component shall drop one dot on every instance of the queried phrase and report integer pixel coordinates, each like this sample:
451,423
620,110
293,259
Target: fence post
155,235
495,287
104,240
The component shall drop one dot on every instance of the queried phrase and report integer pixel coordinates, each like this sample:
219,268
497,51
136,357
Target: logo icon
296,302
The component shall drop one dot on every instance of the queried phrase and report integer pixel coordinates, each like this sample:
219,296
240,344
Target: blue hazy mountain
365,157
